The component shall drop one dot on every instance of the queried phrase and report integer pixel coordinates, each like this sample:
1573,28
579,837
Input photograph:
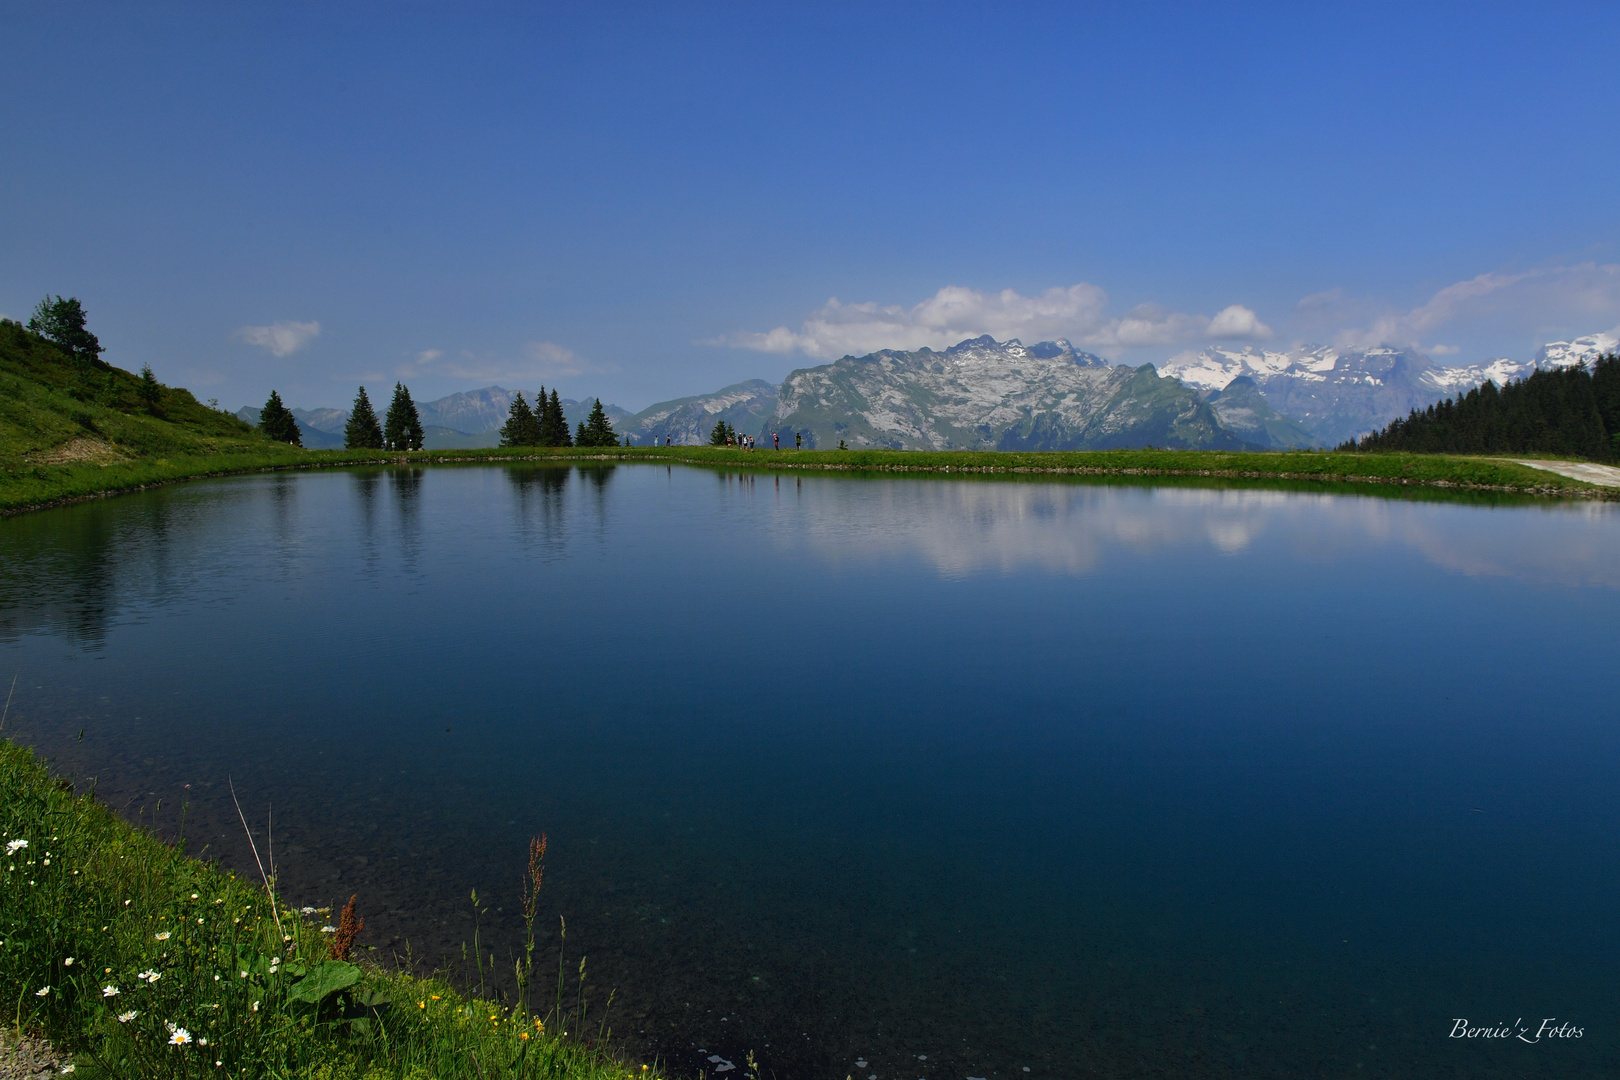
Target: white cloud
1555,300
953,314
427,356
282,338
1238,321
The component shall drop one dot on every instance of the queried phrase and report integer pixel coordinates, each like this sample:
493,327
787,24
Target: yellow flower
421,1004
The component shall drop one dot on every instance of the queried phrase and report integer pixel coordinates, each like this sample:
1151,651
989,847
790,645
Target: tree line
402,430
1573,411
545,424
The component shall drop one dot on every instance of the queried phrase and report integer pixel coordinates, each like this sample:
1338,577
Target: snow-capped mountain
1583,350
1340,394
985,394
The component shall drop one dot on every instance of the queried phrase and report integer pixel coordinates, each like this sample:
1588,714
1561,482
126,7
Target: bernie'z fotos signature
1549,1028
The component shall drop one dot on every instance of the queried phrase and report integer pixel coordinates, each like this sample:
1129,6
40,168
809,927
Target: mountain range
984,394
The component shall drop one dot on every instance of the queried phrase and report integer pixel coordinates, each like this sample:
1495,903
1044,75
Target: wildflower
47,862
109,990
328,929
421,1004
14,846
149,976
42,991
524,1035
194,896
306,911
124,1018
163,936
255,1006
68,962
216,978
68,1068
126,903
202,1042
179,1037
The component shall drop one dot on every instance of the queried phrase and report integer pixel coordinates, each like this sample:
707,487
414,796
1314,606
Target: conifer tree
149,391
522,428
403,427
362,432
277,422
721,435
555,432
595,430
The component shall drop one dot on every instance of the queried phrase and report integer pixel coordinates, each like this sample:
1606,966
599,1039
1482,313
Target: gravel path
1601,475
32,1059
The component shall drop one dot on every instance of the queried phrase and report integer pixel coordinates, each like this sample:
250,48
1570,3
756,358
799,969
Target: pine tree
721,435
362,432
403,428
277,422
595,430
554,425
522,427
150,392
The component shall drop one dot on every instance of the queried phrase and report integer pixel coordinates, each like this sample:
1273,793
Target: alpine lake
882,777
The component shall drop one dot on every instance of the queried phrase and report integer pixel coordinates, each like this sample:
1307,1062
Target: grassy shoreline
138,960
34,487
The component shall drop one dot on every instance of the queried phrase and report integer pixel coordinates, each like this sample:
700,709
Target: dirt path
1601,475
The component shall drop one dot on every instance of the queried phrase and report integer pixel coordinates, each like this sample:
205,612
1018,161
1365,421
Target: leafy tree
362,432
403,428
522,427
595,430
722,435
62,323
553,424
150,392
276,421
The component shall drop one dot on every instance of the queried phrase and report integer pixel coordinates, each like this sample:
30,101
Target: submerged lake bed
948,778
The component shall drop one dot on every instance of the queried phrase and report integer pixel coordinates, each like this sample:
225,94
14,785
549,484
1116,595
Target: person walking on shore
776,439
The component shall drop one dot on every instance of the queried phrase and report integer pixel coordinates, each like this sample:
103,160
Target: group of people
746,442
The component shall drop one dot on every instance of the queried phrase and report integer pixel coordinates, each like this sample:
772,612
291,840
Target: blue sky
647,201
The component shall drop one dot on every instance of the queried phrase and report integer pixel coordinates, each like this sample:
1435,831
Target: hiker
776,441
798,440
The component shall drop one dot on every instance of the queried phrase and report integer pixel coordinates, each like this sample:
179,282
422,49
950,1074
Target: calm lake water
953,778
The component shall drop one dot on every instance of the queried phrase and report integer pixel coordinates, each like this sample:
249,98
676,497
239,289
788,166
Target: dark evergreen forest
1573,411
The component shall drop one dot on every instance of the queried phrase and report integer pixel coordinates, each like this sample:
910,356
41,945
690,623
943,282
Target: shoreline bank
42,487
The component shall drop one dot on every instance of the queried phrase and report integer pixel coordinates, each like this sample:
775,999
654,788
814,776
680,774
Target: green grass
112,943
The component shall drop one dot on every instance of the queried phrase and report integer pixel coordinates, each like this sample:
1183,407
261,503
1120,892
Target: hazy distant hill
983,394
688,421
1244,411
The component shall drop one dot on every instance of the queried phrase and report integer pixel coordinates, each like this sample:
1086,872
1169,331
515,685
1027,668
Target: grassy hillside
69,429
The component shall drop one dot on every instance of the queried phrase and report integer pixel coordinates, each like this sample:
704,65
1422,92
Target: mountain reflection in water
1086,777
